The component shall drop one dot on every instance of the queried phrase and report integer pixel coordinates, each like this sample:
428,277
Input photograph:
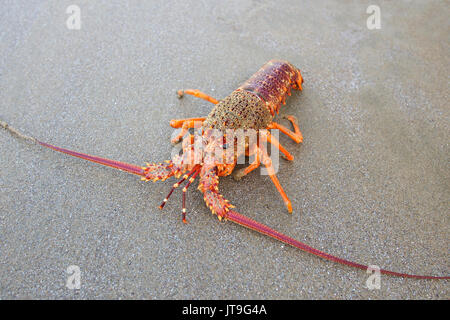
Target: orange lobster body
250,107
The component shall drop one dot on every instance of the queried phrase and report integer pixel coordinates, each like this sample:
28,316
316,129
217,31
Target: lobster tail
273,82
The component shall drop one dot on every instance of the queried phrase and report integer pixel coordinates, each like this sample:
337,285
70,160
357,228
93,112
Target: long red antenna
130,168
230,215
261,228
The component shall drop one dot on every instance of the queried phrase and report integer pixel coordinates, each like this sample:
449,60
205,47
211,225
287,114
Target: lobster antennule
130,168
261,228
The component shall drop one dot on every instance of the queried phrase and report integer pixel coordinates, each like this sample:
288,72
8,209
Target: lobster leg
277,145
238,174
178,123
198,94
296,135
268,163
185,125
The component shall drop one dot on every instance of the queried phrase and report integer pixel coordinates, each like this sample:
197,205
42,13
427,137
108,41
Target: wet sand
370,182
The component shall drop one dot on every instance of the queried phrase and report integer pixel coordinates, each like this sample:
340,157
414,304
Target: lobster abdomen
273,82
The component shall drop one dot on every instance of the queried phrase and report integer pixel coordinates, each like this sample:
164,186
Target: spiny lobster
250,107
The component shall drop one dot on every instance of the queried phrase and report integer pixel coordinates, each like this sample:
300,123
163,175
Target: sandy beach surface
370,182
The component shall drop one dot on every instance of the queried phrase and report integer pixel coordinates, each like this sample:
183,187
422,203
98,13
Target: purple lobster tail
273,82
